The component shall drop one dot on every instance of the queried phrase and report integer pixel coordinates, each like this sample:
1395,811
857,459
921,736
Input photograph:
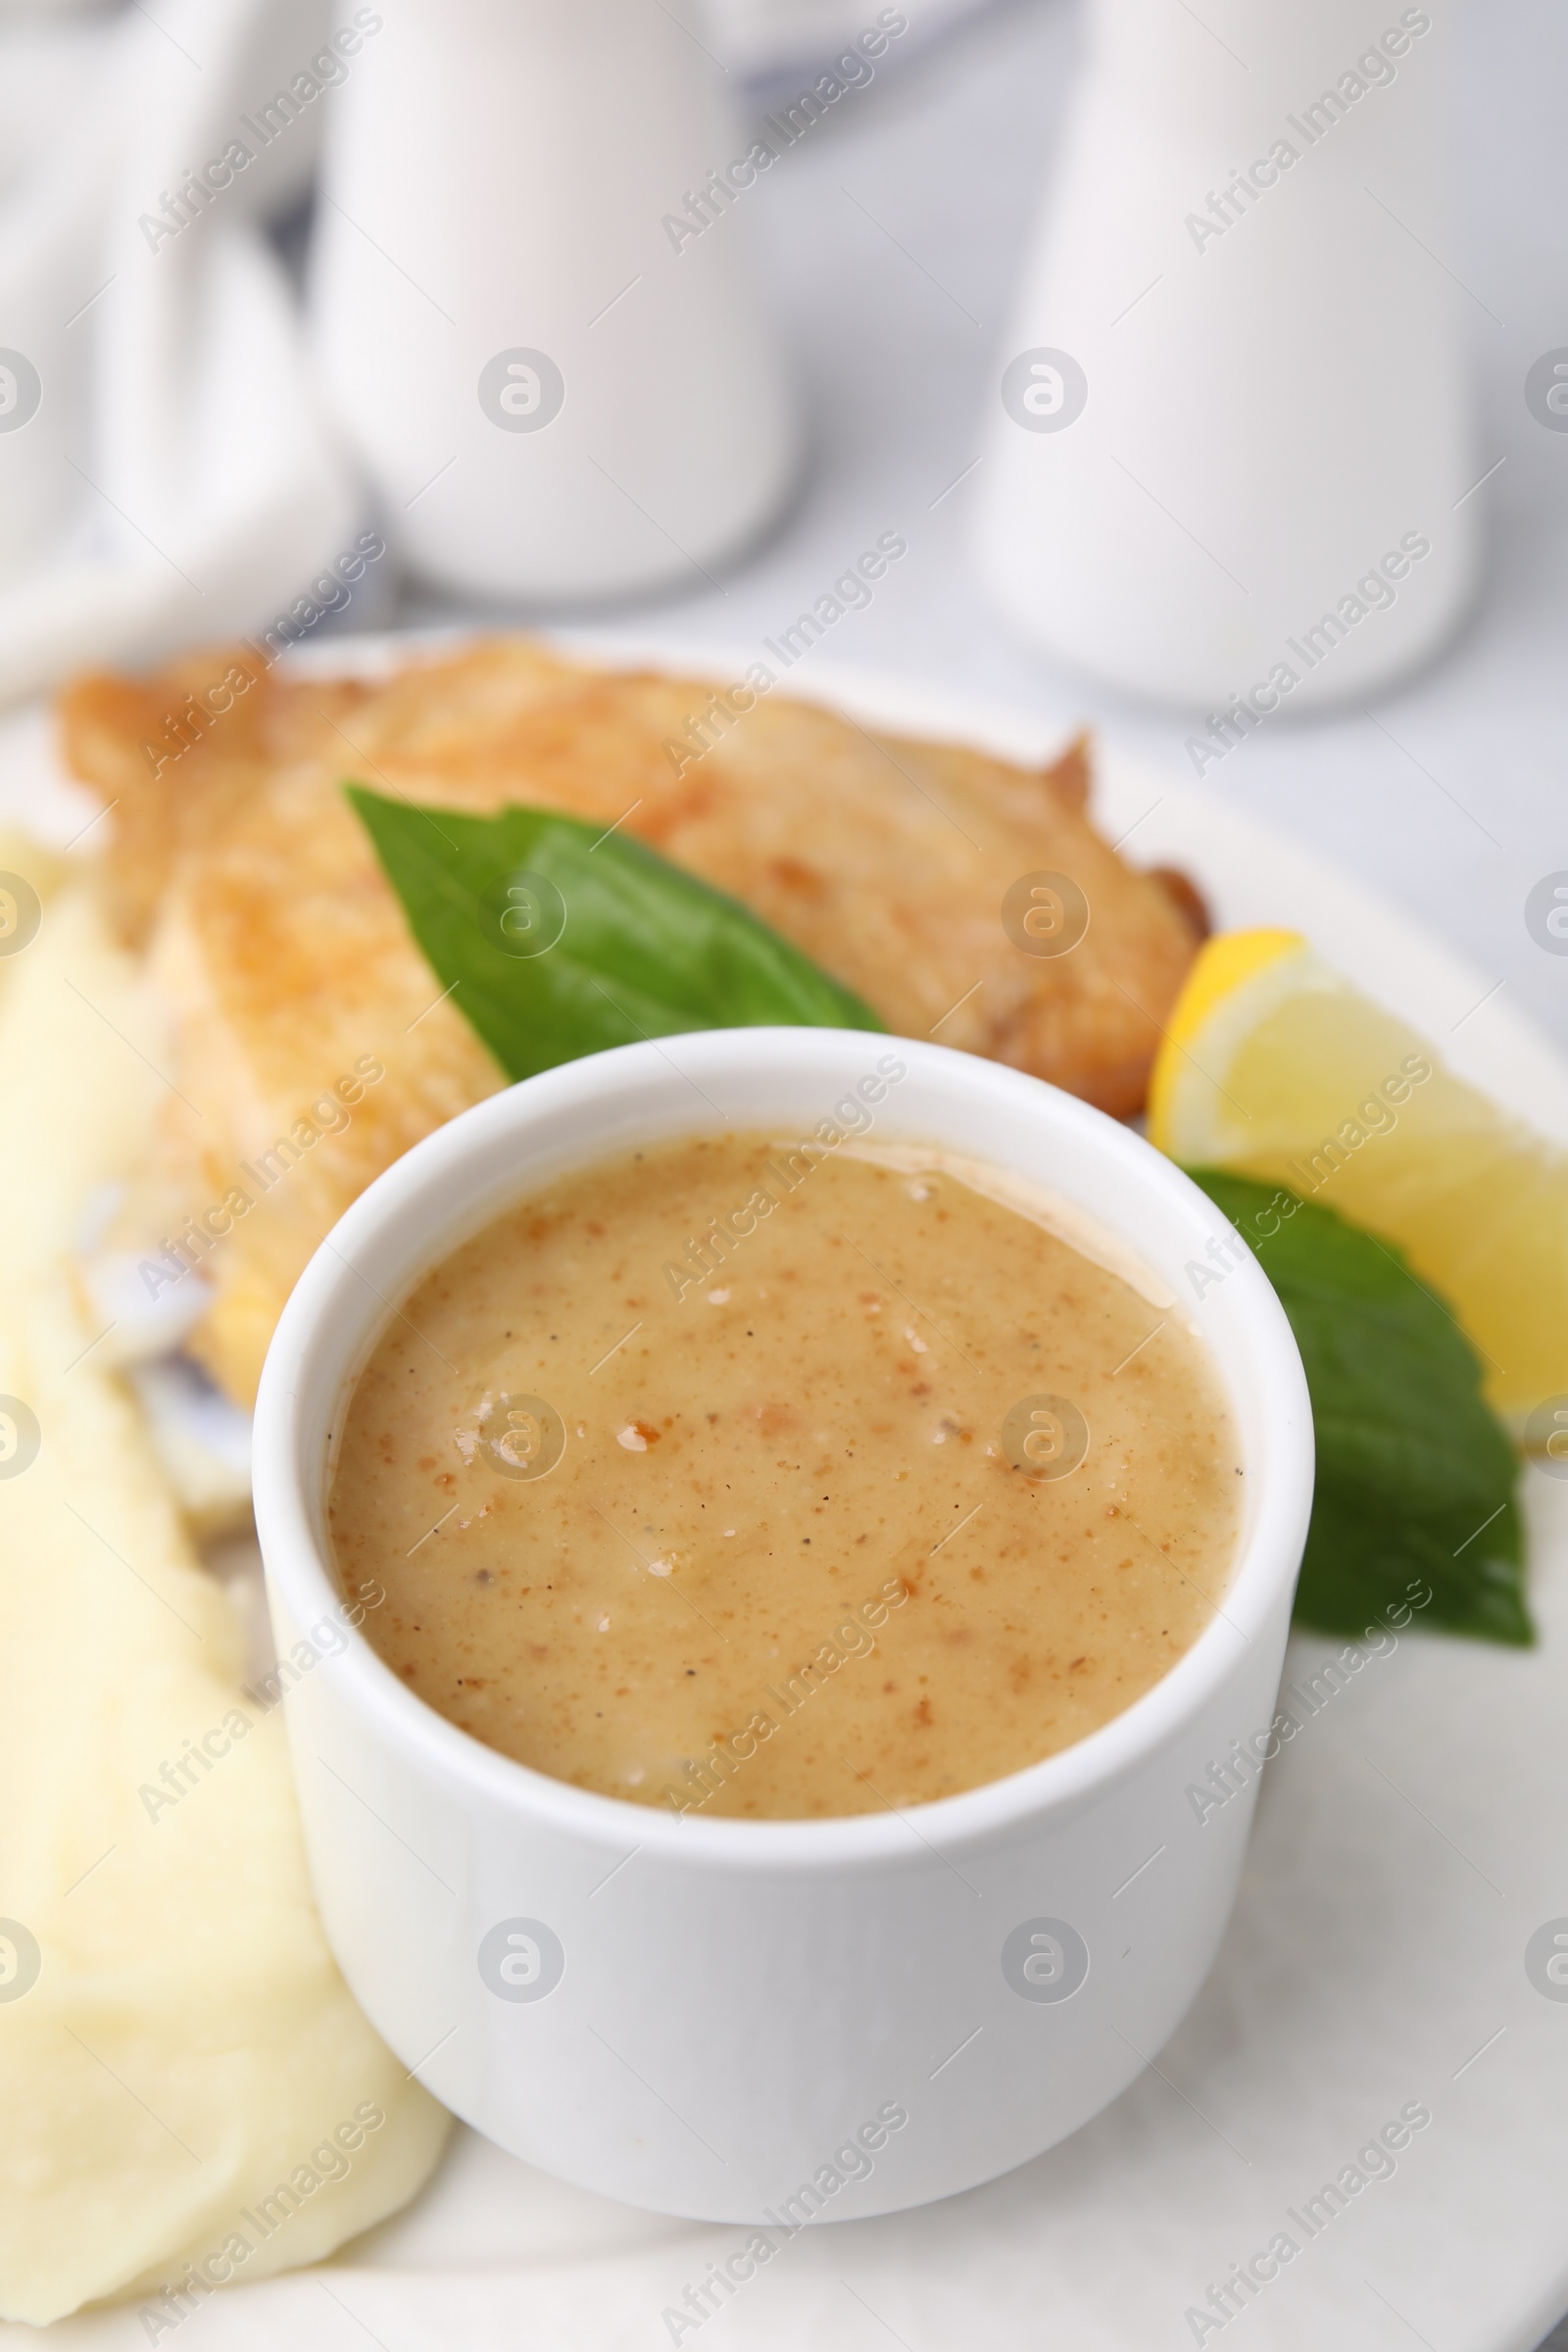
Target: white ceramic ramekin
709,2016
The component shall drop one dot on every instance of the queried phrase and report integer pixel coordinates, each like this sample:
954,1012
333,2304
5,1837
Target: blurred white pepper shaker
1232,445
555,401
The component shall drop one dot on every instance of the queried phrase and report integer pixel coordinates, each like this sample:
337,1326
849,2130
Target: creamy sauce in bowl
744,1479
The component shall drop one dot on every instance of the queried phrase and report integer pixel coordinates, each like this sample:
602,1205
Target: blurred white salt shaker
1232,446
556,397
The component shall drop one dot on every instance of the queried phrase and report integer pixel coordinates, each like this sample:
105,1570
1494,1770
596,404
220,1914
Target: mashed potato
190,2092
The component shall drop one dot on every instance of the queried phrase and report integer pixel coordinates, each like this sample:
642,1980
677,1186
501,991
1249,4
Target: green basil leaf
560,939
1415,1474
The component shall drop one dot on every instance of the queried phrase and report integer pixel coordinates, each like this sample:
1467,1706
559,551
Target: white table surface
1454,803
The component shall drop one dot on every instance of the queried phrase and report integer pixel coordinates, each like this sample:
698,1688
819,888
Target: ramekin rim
987,1814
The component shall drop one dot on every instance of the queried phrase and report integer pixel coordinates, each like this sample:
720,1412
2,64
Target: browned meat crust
285,960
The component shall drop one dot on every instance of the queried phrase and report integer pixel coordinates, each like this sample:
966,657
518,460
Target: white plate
1408,1846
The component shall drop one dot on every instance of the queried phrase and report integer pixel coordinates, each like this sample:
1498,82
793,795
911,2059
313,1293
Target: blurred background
197,469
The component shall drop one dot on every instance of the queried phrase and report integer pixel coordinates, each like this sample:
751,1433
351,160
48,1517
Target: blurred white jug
558,397
1231,438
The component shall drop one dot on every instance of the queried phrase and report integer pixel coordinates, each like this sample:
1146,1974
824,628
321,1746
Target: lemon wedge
1276,1067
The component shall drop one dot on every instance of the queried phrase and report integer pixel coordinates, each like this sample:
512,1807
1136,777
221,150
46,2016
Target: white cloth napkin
176,479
